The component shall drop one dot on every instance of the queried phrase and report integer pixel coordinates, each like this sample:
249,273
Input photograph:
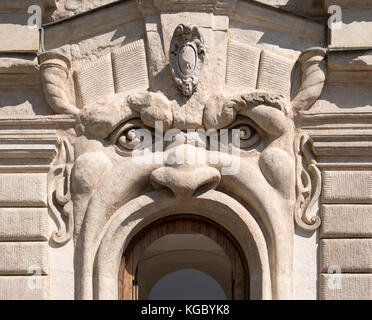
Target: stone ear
308,185
313,68
59,192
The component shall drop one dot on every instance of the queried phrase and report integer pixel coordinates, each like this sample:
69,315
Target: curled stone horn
54,70
313,68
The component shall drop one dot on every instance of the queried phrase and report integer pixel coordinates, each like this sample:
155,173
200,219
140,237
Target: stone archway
129,286
143,211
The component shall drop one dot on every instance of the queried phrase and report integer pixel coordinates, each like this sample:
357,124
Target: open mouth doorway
183,257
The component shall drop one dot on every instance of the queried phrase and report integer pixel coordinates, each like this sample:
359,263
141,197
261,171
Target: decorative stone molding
308,186
187,57
59,192
216,6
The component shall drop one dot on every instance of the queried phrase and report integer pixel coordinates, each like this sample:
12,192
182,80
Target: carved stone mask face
263,165
257,161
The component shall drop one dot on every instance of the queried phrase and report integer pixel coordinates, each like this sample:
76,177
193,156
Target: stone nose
184,182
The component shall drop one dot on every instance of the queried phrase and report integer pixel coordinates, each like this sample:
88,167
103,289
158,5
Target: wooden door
128,286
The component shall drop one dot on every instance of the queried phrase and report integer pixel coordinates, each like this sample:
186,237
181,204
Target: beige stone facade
139,138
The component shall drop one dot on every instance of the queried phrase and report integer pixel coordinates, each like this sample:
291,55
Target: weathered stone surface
23,189
345,287
355,20
18,38
24,288
18,63
351,255
357,60
346,221
274,74
20,258
242,65
23,224
95,80
347,186
131,61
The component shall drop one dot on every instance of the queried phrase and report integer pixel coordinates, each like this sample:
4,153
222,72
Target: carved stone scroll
308,186
59,192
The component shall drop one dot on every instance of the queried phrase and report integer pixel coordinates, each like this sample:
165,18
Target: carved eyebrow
273,121
258,106
221,111
104,115
257,98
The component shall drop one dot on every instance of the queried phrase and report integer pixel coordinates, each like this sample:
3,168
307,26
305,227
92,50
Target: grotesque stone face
253,160
259,167
136,145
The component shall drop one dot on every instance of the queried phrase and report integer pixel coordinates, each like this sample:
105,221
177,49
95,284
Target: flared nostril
185,182
209,185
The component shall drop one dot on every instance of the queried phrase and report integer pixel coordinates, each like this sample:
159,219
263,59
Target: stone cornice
37,122
30,144
18,63
215,6
255,13
341,143
350,60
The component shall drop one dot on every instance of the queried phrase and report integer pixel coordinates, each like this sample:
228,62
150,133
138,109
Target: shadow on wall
23,102
313,8
262,35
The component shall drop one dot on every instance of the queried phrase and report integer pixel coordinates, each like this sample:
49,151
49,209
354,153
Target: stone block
345,287
23,224
18,38
347,186
350,255
21,258
274,74
23,189
24,288
346,221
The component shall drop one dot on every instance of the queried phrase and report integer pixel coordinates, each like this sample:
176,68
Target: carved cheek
278,168
88,171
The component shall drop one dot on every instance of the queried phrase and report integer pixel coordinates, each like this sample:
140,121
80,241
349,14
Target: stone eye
243,133
129,139
131,135
248,136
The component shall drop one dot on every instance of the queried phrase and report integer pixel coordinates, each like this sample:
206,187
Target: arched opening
187,284
183,257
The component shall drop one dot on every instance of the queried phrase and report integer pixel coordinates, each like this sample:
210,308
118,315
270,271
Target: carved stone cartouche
187,57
